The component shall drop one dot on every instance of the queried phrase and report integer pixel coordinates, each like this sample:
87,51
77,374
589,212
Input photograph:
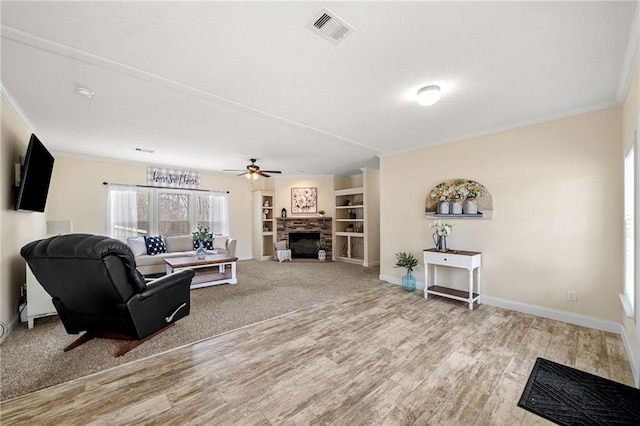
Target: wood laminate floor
383,357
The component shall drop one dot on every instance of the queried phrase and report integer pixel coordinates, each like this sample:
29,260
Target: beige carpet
33,359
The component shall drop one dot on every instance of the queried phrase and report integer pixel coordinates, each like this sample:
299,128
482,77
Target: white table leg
233,273
426,280
435,274
471,289
478,282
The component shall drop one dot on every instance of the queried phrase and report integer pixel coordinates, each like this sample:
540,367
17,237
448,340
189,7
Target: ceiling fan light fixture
429,95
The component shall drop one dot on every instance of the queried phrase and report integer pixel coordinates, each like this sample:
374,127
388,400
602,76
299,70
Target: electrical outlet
572,296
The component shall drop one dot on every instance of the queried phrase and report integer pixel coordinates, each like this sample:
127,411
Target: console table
469,260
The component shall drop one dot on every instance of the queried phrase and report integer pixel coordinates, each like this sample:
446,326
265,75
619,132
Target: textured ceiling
208,85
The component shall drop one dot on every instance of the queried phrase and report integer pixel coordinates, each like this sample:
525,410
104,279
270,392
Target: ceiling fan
253,171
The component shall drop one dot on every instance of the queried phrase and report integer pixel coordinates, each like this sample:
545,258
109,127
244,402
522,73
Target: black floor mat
567,396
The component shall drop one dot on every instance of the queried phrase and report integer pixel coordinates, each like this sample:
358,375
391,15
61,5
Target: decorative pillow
138,246
220,243
208,245
155,245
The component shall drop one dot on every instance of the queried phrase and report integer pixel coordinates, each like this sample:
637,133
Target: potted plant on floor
407,260
321,246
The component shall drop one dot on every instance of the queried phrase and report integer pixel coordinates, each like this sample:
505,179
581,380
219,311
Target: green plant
321,245
202,234
320,211
406,260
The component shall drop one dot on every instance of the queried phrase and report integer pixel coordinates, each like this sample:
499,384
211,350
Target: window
134,211
213,213
173,214
628,299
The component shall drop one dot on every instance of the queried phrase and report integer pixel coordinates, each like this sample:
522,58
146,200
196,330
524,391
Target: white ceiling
208,85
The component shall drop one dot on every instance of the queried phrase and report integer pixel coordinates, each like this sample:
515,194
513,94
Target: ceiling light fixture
428,95
83,91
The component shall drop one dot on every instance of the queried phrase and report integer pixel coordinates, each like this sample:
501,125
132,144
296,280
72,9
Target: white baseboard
540,311
544,312
632,363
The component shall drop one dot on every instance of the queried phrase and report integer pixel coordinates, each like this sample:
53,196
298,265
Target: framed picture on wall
304,200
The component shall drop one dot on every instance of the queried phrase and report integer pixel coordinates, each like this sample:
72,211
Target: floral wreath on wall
304,200
459,190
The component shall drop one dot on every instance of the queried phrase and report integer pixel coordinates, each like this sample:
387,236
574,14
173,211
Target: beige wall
77,193
282,189
630,120
18,228
557,195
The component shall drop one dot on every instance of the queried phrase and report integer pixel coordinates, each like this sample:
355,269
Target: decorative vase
442,207
322,255
455,207
283,213
470,207
409,281
441,242
201,253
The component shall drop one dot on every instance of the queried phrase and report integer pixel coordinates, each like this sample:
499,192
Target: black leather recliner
96,288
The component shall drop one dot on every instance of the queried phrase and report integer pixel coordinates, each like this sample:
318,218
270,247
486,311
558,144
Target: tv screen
35,177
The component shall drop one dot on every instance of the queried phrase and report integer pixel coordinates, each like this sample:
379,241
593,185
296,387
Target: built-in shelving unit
264,225
350,238
356,236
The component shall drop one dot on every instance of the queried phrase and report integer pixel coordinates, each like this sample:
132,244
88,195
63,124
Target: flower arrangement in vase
442,231
473,191
202,236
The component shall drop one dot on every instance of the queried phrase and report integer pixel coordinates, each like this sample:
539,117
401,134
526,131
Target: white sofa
177,246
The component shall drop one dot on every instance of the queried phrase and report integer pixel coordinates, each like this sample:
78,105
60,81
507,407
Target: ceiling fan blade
261,173
241,174
271,171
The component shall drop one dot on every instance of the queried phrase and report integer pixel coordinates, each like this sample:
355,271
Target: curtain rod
161,187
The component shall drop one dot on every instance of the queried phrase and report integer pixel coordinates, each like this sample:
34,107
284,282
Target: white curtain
218,212
122,211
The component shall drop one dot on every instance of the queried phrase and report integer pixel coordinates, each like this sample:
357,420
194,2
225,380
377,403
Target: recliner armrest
168,281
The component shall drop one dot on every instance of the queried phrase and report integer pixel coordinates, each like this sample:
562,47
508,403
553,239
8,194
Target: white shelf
349,220
359,206
350,234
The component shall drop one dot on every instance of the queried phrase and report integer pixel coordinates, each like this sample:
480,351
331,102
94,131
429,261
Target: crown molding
630,57
11,102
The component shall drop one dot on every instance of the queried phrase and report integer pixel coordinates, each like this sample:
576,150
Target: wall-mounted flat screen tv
35,177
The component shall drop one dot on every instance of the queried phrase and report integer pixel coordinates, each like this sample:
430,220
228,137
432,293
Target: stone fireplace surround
321,225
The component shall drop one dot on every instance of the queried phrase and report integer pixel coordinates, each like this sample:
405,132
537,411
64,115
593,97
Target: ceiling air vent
329,26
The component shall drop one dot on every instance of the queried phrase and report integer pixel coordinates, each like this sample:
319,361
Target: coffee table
209,271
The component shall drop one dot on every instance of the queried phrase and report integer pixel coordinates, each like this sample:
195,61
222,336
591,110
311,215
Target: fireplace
303,244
